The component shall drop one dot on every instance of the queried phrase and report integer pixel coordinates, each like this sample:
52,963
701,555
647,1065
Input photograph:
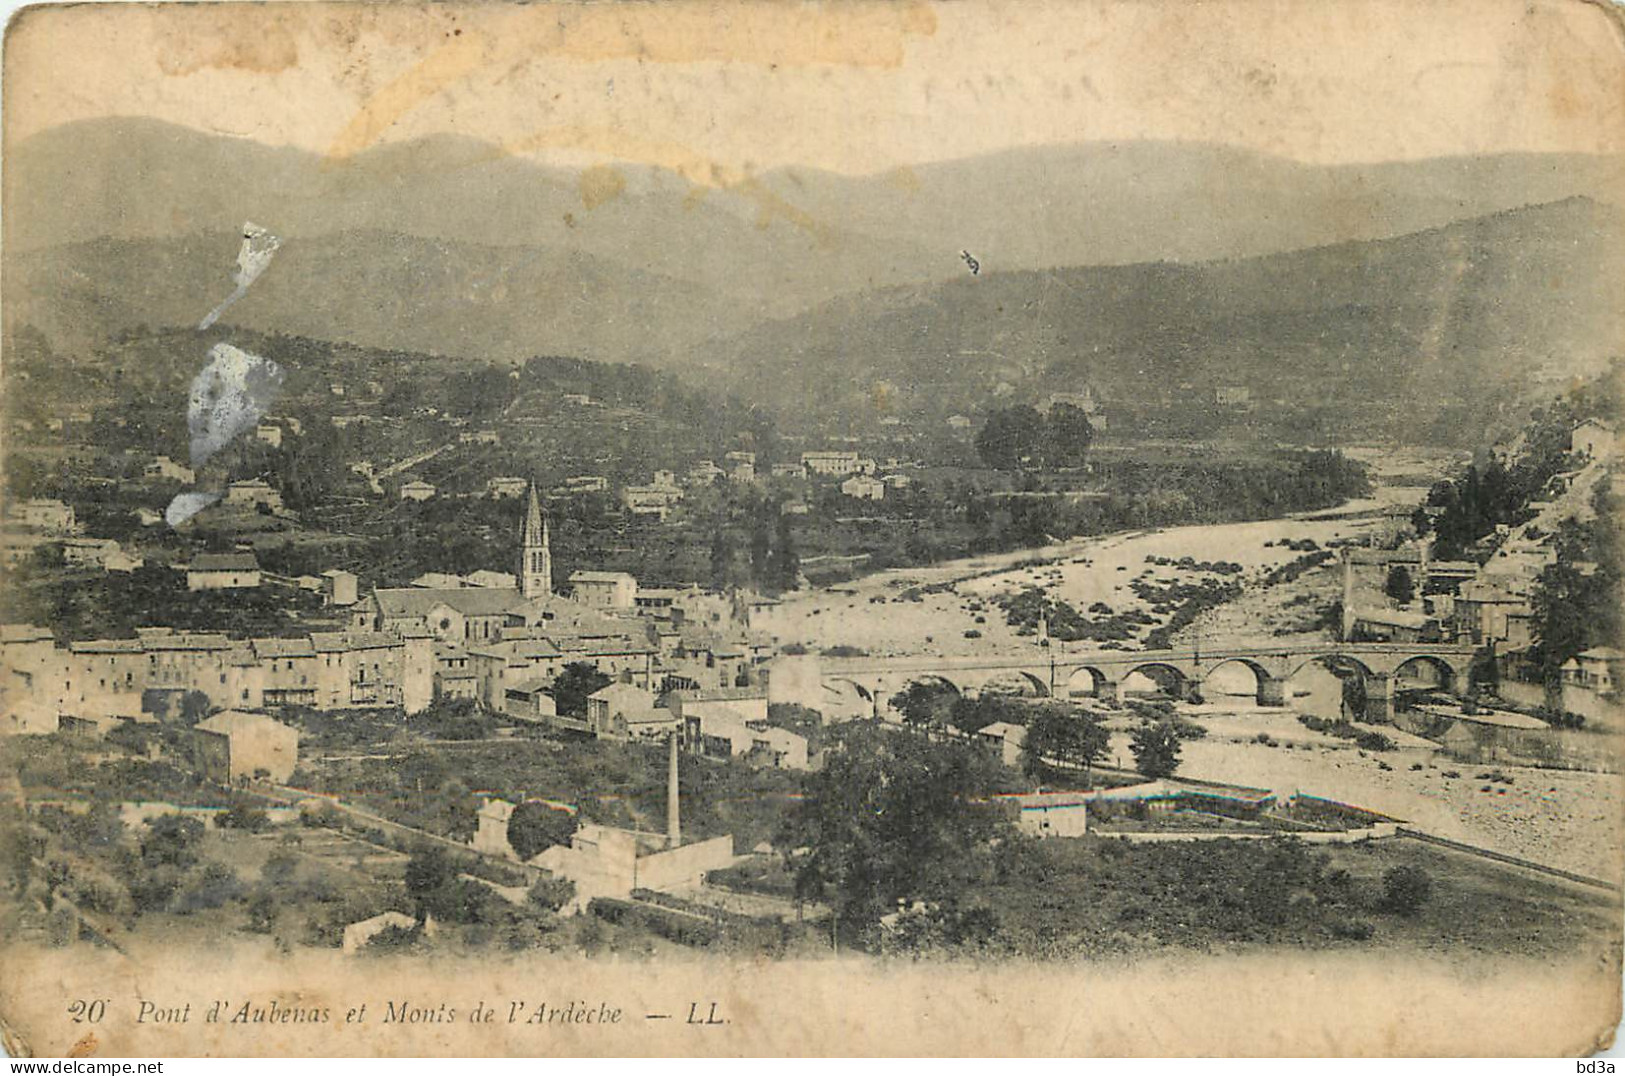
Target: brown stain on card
260,40
772,35
599,184
700,171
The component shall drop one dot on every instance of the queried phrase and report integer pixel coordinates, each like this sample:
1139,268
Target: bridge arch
1087,680
836,682
930,682
1332,686
1165,678
1444,674
1339,665
1229,677
1016,682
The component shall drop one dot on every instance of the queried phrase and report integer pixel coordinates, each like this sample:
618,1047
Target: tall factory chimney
674,826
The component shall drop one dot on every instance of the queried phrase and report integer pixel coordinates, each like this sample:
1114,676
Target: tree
785,571
1484,675
1010,438
1354,699
1067,436
535,827
426,872
195,707
891,818
761,550
1155,746
172,840
1399,585
722,560
573,684
1064,737
972,715
433,883
924,703
1560,606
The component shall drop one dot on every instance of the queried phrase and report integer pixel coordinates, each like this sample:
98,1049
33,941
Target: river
958,616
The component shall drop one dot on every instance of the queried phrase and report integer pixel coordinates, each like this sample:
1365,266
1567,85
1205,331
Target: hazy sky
721,90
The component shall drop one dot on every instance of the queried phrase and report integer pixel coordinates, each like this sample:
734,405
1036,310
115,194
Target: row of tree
912,818
770,564
1022,437
1576,600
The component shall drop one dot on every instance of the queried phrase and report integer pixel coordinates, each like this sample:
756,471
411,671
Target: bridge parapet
1051,671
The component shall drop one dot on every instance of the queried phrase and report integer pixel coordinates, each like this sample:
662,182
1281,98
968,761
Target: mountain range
1416,325
1111,258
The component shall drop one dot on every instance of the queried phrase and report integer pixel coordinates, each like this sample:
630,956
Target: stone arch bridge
1061,673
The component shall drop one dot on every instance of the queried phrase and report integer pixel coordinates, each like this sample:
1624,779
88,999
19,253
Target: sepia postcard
1065,527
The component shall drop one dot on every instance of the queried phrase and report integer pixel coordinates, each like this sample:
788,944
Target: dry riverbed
1560,818
931,610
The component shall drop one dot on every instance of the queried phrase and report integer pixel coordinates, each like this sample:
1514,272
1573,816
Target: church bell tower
535,558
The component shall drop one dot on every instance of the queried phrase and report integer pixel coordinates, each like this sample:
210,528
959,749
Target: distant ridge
1422,326
509,257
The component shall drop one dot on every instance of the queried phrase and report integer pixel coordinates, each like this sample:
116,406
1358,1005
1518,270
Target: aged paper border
1309,1003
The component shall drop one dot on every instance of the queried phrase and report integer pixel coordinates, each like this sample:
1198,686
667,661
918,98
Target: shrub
1352,929
1374,741
210,886
1189,730
244,817
262,913
1405,890
393,939
552,893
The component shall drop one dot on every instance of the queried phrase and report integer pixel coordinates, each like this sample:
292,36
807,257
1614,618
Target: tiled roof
333,641
108,646
397,602
224,562
283,648
720,694
188,641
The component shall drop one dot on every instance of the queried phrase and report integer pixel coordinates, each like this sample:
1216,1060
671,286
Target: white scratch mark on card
186,505
229,396
253,258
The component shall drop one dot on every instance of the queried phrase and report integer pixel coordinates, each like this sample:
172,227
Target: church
471,615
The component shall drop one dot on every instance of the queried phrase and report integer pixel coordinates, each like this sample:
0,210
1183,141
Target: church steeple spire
535,556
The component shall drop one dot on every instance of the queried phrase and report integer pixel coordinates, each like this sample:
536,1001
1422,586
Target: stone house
235,744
